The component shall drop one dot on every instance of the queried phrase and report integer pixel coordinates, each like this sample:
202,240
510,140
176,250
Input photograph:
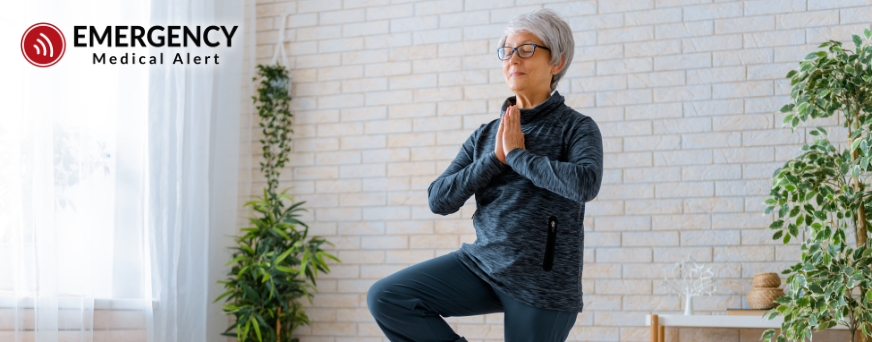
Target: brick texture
686,93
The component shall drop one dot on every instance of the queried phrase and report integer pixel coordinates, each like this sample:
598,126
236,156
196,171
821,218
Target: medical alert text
101,59
156,36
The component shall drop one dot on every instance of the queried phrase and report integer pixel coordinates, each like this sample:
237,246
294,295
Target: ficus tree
272,261
822,194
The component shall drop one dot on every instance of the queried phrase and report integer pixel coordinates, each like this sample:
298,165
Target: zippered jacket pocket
551,240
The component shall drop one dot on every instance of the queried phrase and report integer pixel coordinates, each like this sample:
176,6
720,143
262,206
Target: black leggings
407,305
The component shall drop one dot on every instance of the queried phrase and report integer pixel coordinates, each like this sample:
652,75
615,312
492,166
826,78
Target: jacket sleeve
579,178
462,178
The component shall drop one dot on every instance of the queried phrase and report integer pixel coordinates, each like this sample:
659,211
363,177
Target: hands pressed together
509,135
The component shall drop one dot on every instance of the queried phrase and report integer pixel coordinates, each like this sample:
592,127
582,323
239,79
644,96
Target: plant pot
766,279
764,297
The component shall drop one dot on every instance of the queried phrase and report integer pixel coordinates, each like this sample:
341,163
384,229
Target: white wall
686,94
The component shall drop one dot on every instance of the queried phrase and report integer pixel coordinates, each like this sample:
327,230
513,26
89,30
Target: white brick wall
685,92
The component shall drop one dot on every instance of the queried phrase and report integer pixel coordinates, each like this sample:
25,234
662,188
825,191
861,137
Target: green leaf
304,261
776,224
287,269
245,330
249,292
248,249
223,295
281,233
793,230
235,260
857,41
790,74
811,55
855,144
777,235
283,256
256,328
867,33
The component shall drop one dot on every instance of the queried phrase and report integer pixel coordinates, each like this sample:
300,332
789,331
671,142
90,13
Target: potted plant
822,191
264,285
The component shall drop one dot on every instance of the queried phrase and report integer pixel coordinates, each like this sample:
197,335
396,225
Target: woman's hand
498,147
510,131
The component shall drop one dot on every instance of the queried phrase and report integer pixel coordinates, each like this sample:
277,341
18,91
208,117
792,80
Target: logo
43,45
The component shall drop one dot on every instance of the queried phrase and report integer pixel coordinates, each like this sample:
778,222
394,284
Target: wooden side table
658,323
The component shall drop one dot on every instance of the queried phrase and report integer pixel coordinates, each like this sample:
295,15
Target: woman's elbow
436,206
591,185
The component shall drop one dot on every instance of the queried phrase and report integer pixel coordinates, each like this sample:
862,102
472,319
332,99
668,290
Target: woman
531,172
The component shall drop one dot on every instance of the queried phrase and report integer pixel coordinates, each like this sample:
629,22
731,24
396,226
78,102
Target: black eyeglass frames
524,51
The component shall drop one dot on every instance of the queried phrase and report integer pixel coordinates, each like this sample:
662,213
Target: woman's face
528,74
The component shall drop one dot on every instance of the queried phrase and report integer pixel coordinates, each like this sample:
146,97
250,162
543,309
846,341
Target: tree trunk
860,232
278,325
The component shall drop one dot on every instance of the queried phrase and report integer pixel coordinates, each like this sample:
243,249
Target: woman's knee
373,296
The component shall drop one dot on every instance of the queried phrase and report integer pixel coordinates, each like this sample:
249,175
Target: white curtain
193,151
118,183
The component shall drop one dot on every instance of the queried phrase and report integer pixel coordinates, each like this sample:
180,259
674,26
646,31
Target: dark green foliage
270,257
275,120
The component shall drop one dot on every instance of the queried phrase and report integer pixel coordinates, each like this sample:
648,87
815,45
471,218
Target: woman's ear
559,67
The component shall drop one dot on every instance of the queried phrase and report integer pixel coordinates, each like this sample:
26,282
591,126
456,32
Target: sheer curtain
118,183
193,155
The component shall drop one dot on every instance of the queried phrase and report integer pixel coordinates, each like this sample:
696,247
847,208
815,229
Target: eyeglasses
524,51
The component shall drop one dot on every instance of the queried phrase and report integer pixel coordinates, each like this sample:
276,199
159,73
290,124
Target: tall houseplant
264,283
823,192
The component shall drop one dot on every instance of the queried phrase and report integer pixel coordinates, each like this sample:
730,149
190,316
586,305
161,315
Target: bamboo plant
822,193
272,259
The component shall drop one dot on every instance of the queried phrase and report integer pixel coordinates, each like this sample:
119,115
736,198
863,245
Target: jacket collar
531,114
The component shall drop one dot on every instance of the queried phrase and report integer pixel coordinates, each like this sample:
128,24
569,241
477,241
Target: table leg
654,328
662,334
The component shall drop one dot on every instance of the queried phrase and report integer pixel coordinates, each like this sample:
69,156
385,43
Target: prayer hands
509,135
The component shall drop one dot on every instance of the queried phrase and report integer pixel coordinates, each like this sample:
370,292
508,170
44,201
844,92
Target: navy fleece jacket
529,213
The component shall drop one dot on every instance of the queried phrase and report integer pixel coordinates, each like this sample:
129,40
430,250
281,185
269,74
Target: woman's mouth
517,74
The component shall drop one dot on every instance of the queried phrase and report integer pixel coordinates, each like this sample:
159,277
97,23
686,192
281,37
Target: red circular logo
43,45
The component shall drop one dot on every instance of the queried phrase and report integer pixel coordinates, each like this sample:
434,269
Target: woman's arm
579,178
462,178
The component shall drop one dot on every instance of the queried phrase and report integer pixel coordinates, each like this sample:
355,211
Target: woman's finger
500,130
515,120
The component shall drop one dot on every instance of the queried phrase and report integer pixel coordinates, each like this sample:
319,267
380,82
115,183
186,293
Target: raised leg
409,305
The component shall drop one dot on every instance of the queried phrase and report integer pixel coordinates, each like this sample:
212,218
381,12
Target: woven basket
764,298
766,279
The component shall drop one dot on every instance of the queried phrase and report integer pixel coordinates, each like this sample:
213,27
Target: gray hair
554,32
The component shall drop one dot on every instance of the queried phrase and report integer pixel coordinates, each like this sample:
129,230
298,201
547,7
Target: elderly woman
531,171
